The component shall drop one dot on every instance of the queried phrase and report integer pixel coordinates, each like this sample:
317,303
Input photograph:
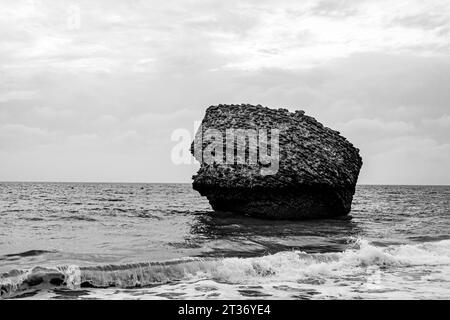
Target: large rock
318,168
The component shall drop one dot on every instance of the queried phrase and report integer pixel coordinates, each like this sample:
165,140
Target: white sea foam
296,264
363,269
72,275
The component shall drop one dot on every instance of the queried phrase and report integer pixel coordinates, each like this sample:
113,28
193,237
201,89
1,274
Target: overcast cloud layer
95,96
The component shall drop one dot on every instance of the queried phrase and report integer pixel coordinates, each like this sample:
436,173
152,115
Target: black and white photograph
210,150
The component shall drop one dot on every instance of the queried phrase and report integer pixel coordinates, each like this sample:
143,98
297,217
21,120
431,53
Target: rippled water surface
156,241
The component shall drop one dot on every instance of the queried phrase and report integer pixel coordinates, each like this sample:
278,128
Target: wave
286,265
28,253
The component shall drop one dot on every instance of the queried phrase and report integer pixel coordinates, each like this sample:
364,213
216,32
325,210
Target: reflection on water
233,235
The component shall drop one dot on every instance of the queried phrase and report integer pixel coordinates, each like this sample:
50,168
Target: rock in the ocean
302,169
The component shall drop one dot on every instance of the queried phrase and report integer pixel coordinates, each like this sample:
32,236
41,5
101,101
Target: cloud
114,35
17,95
337,8
408,160
443,121
13,136
423,20
374,129
113,88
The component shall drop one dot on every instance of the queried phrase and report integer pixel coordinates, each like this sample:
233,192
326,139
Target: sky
93,90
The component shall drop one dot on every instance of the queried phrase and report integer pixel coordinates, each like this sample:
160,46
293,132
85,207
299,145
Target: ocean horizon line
178,182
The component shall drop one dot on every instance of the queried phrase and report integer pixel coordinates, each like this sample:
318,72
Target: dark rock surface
318,168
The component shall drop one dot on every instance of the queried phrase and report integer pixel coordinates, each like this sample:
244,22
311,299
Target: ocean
162,241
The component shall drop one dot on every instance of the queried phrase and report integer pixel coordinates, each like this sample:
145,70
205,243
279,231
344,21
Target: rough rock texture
318,167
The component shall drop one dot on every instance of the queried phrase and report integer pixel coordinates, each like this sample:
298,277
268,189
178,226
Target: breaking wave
286,265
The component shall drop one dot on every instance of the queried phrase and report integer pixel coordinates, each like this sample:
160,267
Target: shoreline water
320,275
121,232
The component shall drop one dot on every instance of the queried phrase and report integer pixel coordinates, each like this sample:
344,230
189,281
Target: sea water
163,241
